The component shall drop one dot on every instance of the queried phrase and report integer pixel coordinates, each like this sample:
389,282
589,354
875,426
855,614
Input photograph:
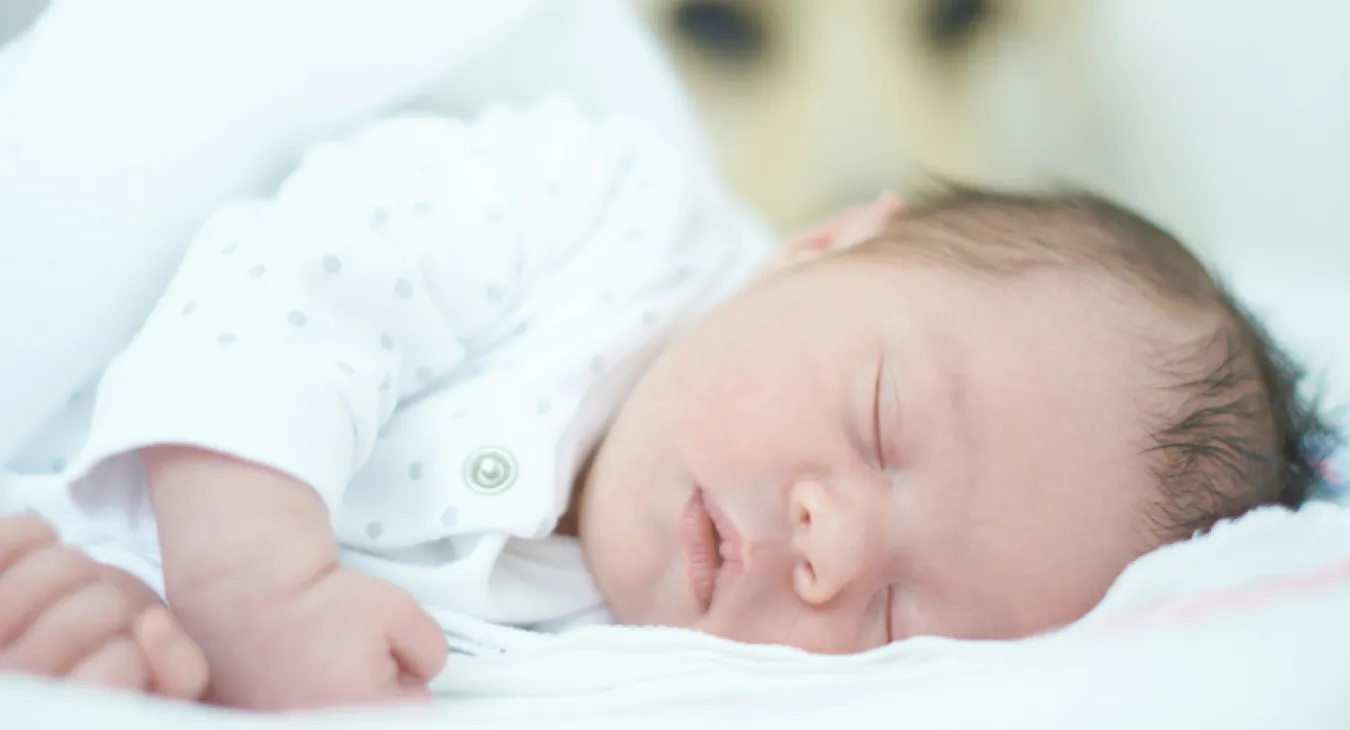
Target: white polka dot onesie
430,322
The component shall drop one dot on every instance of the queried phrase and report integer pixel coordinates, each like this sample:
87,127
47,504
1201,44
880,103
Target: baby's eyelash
876,416
889,607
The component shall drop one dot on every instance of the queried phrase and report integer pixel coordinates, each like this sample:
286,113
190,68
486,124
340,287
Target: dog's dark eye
951,21
726,30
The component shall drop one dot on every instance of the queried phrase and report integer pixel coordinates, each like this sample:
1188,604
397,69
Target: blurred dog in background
815,105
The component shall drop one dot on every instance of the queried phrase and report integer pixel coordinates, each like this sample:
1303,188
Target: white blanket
1244,629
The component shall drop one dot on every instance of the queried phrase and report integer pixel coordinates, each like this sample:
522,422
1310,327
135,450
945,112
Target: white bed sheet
1243,629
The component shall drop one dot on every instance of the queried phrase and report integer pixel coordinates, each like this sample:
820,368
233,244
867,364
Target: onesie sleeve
296,325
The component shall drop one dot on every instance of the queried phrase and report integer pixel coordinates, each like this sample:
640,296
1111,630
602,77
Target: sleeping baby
541,372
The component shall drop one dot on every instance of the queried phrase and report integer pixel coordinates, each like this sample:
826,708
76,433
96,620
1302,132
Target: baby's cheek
619,556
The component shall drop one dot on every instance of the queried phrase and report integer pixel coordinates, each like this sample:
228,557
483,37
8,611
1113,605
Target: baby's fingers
178,668
418,644
36,581
21,534
71,629
118,664
409,692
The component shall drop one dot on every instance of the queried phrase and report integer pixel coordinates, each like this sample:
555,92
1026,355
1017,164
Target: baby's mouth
702,547
711,545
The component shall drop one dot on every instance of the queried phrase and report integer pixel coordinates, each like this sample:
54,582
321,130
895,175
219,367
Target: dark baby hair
1235,433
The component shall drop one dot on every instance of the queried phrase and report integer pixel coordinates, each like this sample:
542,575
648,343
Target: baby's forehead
1094,296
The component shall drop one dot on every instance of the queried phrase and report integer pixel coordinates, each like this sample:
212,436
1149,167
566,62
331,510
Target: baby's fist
344,639
64,616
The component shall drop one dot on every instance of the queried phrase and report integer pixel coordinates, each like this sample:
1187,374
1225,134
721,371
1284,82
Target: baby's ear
852,227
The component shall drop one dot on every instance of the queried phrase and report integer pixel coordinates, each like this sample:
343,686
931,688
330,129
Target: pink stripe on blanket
1241,598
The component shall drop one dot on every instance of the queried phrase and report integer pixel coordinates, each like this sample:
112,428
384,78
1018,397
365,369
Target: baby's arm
295,326
64,616
251,566
224,522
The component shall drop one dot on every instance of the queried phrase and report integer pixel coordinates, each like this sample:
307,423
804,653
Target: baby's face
859,449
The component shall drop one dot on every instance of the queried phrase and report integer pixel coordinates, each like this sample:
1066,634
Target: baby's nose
829,538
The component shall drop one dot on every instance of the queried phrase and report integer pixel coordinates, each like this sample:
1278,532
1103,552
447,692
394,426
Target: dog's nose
731,31
948,22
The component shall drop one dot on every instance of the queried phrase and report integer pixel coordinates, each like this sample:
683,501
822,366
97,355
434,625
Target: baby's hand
344,639
64,616
251,569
